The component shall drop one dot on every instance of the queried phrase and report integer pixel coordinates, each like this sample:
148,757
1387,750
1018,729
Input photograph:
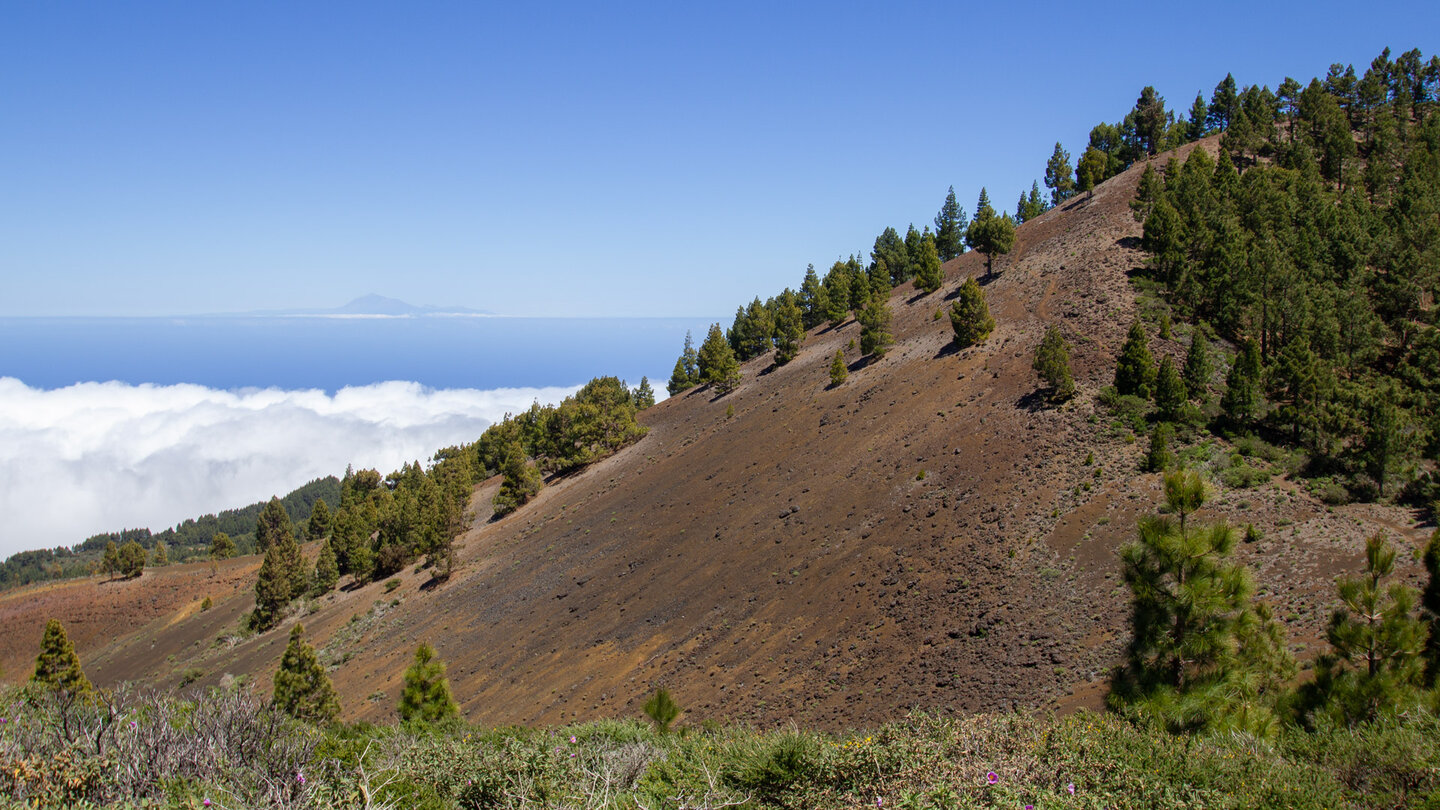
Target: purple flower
572,739
207,802
879,801
992,778
1071,787
300,777
132,724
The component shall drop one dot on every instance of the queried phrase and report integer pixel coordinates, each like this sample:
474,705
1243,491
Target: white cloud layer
99,457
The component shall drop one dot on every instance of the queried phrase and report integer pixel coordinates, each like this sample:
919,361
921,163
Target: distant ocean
330,353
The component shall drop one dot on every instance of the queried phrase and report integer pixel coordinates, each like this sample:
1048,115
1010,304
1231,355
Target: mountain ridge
925,535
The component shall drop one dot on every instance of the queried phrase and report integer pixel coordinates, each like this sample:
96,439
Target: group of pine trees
1204,655
302,687
1312,243
851,288
585,427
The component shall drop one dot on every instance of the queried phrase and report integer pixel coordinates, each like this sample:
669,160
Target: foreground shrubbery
226,748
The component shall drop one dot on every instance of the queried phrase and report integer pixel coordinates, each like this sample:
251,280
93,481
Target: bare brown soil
926,535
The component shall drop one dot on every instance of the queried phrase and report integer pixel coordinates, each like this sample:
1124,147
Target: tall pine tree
950,225
687,371
717,363
273,522
1059,176
1135,368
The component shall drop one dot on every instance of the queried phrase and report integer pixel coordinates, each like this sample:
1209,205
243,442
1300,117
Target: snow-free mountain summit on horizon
371,305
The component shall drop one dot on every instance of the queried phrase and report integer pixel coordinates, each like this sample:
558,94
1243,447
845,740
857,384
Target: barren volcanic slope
924,535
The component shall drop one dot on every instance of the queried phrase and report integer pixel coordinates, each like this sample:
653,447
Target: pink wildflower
992,778
1071,787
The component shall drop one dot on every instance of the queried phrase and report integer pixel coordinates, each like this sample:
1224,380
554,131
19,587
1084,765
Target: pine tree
1198,368
929,274
1034,204
1376,661
132,559
160,555
889,259
1390,439
837,295
1200,655
754,330
327,572
321,522
989,233
1052,363
814,302
110,563
1135,368
970,315
1092,171
717,363
644,395
521,481
272,589
1164,238
302,689
221,547
426,697
950,225
789,329
1159,458
1149,192
1169,391
1430,610
838,371
1198,128
687,371
1059,177
57,666
875,337
272,523
1150,120
1242,399
1224,105
861,287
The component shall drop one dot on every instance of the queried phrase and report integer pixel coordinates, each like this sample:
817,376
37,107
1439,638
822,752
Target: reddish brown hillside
924,535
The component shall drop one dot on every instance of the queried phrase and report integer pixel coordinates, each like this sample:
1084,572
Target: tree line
850,288
189,540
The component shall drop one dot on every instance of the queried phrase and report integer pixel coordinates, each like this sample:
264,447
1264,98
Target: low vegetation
225,749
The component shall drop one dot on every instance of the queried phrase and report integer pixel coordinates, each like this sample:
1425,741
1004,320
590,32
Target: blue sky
562,158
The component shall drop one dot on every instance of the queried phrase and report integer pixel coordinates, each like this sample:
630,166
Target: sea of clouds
97,457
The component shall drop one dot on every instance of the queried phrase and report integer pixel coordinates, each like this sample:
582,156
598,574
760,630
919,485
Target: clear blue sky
562,158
